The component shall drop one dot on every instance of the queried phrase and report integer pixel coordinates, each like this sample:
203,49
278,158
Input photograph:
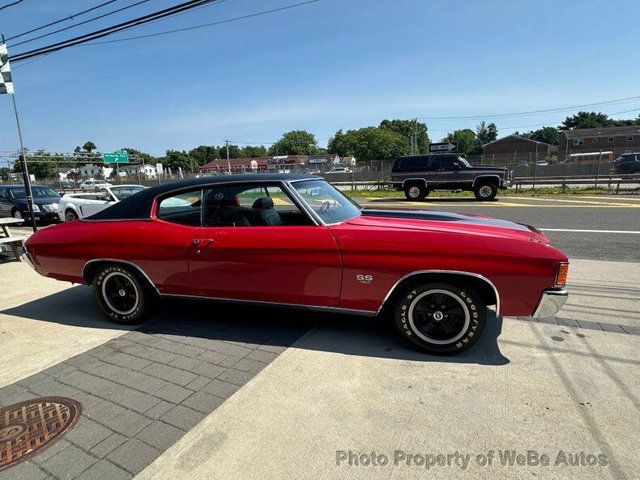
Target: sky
328,65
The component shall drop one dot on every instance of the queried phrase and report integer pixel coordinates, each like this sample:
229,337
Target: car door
257,244
97,203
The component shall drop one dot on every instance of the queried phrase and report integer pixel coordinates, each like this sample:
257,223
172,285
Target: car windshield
328,203
37,192
126,191
464,162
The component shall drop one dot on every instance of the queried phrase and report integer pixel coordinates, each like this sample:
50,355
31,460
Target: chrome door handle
204,242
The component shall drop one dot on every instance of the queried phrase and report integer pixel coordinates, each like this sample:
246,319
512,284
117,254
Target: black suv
417,175
626,163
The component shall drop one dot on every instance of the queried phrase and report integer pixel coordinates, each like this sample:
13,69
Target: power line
183,7
532,112
11,4
93,19
70,17
228,20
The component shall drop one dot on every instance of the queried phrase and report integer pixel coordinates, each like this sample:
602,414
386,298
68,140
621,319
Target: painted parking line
573,201
631,232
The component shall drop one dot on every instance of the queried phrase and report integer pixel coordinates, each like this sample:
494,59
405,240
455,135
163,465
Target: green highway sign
120,156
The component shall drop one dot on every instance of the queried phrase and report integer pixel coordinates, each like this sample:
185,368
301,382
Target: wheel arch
482,178
92,267
414,180
478,283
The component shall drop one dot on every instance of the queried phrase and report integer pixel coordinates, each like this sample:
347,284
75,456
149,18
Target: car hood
492,168
38,201
427,220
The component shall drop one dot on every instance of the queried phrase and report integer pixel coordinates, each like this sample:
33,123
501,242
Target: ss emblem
366,279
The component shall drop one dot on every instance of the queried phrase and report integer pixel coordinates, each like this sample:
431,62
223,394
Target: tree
176,158
136,156
410,129
41,165
254,151
234,151
295,142
204,153
369,143
586,120
486,133
550,135
89,146
466,139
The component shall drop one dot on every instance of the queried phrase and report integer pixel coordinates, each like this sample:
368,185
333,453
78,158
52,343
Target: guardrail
564,181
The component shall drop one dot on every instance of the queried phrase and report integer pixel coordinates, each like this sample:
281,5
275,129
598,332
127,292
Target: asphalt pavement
605,228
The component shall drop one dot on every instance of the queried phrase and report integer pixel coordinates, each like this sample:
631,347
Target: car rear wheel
485,191
120,295
440,318
416,191
70,215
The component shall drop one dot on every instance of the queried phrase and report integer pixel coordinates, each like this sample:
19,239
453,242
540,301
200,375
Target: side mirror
456,166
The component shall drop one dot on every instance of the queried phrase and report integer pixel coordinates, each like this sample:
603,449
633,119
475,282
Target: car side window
446,163
3,192
184,208
250,206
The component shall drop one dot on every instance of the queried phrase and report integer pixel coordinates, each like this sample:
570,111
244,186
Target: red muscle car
295,240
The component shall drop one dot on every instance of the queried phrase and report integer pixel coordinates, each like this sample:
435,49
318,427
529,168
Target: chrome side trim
551,302
367,313
126,262
451,272
426,184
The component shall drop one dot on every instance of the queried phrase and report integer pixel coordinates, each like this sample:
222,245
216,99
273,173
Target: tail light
561,274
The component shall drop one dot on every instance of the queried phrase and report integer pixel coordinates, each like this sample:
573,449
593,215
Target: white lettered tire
440,318
120,295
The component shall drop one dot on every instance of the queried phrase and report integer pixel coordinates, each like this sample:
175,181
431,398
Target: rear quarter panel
159,249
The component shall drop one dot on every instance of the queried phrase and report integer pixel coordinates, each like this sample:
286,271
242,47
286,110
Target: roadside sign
121,156
443,147
159,169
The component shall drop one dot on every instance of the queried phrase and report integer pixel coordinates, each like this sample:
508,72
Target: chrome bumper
550,303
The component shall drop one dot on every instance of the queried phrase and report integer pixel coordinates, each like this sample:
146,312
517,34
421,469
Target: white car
93,185
80,205
339,170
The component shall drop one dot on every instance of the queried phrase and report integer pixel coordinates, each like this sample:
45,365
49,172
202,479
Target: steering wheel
324,208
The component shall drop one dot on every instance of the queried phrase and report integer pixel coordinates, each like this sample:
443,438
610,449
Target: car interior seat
266,212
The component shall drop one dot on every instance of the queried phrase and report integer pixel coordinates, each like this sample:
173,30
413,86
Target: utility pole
228,161
23,158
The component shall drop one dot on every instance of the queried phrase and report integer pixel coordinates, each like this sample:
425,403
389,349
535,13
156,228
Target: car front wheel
440,318
120,295
70,215
416,191
485,191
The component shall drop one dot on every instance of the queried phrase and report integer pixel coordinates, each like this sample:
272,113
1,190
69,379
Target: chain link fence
529,169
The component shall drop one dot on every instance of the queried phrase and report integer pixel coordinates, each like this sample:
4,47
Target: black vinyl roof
138,205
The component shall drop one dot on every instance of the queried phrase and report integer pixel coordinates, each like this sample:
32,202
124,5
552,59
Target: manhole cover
27,428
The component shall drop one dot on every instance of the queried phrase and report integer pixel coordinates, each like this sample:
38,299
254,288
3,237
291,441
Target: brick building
514,149
611,141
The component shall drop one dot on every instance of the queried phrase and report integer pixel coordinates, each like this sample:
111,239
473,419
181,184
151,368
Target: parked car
418,175
13,202
66,185
80,205
626,163
92,185
295,240
542,163
338,170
